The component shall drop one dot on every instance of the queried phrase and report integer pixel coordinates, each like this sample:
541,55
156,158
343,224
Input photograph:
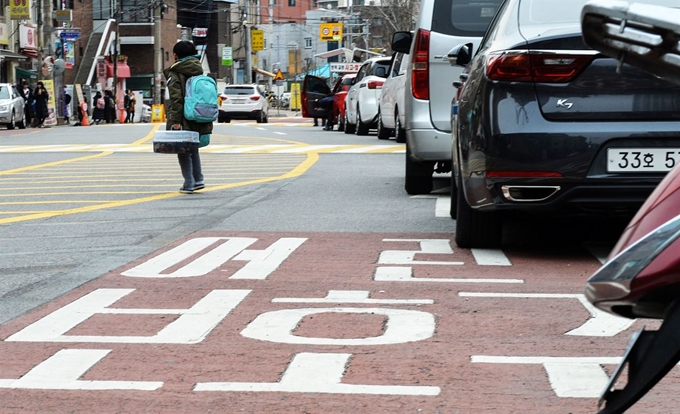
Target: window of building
102,9
135,11
291,3
308,42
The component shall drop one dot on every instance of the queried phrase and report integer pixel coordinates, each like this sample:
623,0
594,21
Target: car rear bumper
429,144
617,198
241,114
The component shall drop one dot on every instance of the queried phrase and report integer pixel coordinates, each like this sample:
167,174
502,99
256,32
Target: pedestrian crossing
216,148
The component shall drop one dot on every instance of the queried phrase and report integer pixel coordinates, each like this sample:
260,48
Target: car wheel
22,124
383,133
221,118
475,229
11,124
349,128
453,209
260,117
361,128
266,118
400,132
341,124
418,178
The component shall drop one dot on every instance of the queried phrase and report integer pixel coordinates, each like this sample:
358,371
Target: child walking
187,64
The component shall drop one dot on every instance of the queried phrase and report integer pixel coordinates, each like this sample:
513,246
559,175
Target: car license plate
239,101
642,159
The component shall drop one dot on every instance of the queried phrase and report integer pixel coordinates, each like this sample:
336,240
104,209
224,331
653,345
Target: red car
339,92
314,88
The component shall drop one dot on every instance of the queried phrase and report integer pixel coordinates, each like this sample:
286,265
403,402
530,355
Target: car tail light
523,174
526,66
254,98
375,84
420,75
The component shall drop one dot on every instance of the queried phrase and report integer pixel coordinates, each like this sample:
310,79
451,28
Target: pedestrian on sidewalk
187,64
40,97
26,93
98,112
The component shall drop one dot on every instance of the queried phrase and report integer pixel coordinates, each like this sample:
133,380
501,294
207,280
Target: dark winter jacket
176,77
97,113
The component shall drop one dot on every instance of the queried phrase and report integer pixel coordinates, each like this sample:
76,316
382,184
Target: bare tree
388,17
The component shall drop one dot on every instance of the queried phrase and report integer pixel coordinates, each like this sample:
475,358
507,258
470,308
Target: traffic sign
279,75
330,32
257,39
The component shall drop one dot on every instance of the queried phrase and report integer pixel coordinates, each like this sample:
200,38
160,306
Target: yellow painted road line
52,164
309,161
149,136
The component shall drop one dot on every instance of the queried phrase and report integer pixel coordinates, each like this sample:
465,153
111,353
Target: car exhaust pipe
529,193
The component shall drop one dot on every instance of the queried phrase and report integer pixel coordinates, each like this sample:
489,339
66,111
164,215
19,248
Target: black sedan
543,124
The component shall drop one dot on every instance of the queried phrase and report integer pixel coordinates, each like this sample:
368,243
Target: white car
363,97
11,107
243,101
391,119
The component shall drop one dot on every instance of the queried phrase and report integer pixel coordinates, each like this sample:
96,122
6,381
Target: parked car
313,89
545,124
339,93
363,97
391,113
440,25
11,107
243,101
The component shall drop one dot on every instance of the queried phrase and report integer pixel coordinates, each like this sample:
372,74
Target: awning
123,70
30,52
335,52
7,55
265,73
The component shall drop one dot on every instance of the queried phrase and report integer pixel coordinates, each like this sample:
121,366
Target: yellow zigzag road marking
213,148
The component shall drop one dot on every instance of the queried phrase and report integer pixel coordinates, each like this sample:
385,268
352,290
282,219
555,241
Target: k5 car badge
562,103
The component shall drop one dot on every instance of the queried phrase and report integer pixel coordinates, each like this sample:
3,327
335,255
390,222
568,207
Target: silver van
441,25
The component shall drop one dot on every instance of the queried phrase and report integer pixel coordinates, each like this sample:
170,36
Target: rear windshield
540,12
468,18
236,90
381,68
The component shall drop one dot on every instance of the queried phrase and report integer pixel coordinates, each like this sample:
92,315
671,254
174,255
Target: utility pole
116,49
270,46
158,57
248,70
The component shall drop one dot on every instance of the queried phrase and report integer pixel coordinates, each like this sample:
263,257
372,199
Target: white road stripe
490,257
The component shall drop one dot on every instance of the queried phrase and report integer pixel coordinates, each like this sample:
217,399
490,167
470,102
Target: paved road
300,281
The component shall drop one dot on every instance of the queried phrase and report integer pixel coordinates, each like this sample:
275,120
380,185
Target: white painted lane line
353,296
261,129
62,371
317,373
490,257
569,377
280,133
600,324
443,207
405,274
307,148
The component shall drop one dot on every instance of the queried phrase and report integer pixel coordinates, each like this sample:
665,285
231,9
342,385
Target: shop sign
20,10
27,37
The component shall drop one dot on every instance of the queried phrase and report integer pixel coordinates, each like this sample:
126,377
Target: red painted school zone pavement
232,322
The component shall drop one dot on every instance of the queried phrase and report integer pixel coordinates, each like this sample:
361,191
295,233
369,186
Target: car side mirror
460,55
401,42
